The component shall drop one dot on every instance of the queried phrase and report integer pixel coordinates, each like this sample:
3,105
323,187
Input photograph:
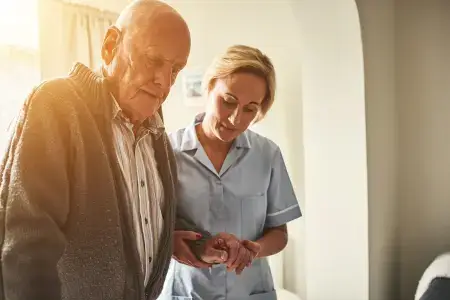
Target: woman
232,182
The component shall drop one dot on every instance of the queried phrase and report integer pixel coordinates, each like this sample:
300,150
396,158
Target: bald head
140,14
143,53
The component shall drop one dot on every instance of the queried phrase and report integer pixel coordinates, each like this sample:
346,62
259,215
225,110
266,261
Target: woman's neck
215,149
208,140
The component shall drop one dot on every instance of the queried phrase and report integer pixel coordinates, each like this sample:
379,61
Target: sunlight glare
19,23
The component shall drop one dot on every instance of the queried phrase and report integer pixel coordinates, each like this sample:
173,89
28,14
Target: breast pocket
264,296
253,215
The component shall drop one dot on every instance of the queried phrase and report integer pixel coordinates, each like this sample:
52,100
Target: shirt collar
153,124
190,140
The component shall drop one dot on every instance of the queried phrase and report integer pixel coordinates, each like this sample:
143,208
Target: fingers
194,261
220,244
247,252
241,261
188,258
214,252
183,253
246,261
216,255
200,264
187,235
250,245
233,251
240,254
255,248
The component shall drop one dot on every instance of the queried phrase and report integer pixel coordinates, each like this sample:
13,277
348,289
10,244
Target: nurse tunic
251,192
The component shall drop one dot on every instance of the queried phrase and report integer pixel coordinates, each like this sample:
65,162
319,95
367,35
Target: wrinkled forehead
164,35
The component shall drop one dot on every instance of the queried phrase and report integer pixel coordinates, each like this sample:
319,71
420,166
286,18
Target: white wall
337,259
378,35
423,91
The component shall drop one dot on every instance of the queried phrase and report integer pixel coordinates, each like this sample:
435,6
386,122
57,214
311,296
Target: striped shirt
145,190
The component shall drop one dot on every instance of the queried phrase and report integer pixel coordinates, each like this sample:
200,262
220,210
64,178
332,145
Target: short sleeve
283,206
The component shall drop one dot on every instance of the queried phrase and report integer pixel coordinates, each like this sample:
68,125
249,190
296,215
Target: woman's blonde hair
241,58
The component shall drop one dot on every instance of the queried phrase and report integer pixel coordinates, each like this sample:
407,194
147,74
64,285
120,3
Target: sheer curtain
70,33
42,39
19,59
19,71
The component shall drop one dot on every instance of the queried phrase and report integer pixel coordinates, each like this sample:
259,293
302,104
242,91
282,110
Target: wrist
262,249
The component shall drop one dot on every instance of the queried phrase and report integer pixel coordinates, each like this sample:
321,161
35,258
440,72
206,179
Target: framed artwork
192,87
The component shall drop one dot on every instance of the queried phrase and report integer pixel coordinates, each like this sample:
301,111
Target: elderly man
87,183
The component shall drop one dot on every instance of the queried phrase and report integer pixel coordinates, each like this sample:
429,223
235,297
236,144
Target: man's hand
183,253
214,251
239,256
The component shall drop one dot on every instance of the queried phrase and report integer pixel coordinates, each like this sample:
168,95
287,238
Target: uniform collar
190,140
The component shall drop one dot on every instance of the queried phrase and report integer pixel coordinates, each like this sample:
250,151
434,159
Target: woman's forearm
273,241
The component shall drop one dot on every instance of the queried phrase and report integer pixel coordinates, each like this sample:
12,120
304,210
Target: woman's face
233,104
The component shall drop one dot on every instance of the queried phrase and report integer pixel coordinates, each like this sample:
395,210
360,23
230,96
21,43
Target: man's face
146,63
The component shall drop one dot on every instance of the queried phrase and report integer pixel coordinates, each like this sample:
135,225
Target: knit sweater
65,231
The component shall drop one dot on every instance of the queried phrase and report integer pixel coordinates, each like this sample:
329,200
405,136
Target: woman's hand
254,247
182,252
239,256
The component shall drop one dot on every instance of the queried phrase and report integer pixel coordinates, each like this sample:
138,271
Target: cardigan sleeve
34,194
181,223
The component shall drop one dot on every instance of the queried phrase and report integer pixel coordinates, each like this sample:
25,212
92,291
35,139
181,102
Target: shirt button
146,221
142,183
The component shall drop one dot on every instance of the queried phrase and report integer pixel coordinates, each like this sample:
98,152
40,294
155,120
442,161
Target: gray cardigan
65,231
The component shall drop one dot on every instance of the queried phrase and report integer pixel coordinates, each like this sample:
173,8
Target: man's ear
110,44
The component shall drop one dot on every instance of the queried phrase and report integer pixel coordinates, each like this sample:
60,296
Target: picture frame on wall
193,94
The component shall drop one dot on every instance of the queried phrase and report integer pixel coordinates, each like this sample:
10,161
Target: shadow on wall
334,139
422,61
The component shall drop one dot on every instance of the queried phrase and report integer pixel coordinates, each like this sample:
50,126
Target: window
19,58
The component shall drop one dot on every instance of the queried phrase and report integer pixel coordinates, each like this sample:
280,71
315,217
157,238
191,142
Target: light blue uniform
251,192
